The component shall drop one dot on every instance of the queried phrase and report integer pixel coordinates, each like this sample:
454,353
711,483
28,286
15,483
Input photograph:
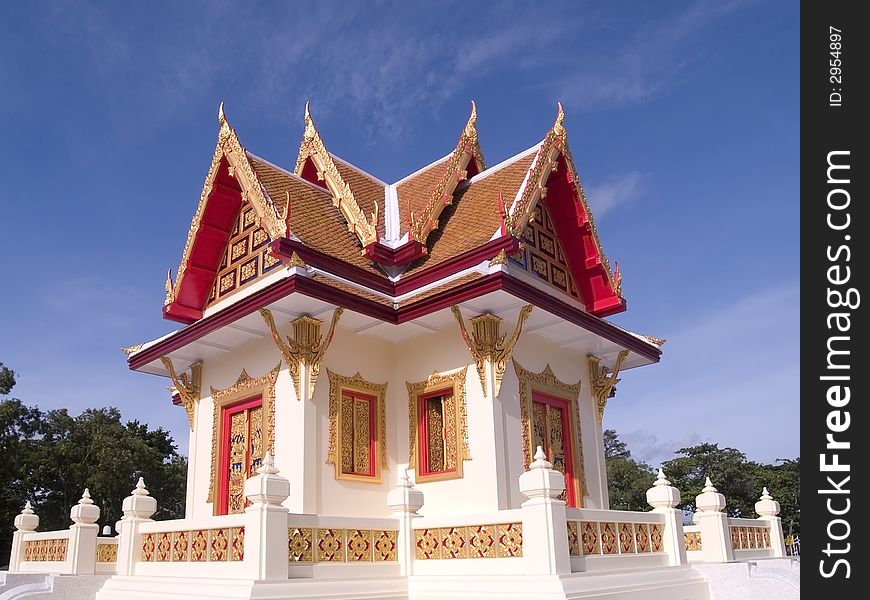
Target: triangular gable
552,179
465,162
315,164
230,182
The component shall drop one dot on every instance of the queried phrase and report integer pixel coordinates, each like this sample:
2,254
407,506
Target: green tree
627,479
7,380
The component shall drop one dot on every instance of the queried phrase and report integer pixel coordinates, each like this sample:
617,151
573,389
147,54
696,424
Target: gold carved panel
350,429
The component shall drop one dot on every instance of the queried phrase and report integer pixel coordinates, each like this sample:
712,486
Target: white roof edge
286,172
505,163
356,168
393,217
429,166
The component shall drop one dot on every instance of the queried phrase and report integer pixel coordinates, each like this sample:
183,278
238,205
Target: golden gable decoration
188,388
604,380
312,147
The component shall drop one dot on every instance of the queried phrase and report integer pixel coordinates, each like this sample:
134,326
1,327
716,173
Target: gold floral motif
482,541
589,537
339,426
608,538
510,540
330,545
486,343
162,551
547,382
229,147
573,539
467,148
655,537
244,387
107,553
188,387
312,147
359,545
544,163
180,546
199,545
692,541
453,542
305,350
603,380
626,538
641,537
218,545
299,544
456,445
427,544
147,553
53,550
237,548
386,545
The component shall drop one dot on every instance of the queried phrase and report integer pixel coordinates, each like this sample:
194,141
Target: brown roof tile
418,189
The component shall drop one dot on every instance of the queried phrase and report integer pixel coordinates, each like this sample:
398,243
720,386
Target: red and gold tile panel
246,256
593,538
310,544
692,541
53,550
542,254
199,545
750,538
107,553
504,540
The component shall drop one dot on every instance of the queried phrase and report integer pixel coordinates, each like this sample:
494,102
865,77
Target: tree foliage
7,380
627,479
49,457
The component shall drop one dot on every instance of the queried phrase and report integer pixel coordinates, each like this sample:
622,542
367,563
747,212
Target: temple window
357,428
438,429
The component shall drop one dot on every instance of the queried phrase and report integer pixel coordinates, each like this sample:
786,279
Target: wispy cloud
606,196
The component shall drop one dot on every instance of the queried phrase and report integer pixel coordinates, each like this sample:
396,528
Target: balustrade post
713,524
768,509
266,523
664,498
82,558
404,501
25,523
545,523
137,508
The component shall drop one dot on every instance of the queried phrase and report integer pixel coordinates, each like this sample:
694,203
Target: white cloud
606,196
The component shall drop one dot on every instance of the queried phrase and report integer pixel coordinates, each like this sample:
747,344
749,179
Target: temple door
552,431
242,452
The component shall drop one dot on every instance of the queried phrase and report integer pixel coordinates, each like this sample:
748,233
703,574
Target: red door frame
223,476
564,407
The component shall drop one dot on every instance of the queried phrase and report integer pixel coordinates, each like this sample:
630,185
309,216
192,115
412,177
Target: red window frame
227,413
564,407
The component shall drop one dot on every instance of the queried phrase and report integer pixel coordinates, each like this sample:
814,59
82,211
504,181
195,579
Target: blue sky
682,118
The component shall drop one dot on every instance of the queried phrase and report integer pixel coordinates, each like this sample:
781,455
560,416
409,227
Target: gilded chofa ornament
305,350
604,380
187,387
312,147
486,343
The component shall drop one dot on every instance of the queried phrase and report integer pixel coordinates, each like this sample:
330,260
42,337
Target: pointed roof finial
222,118
28,508
558,126
309,122
268,466
170,294
660,478
708,486
86,497
471,125
140,488
765,495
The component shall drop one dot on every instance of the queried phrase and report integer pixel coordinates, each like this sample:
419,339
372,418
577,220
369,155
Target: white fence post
83,536
545,524
768,509
266,523
137,509
26,522
404,501
664,498
713,525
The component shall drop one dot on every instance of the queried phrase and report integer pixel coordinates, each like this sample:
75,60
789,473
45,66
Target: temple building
382,379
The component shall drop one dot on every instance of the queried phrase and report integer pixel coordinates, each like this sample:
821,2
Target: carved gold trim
547,383
337,385
295,261
555,143
306,349
467,147
131,349
189,388
244,387
228,146
312,147
487,344
439,381
603,380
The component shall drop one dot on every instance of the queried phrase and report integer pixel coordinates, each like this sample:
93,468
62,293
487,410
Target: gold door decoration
188,388
532,419
450,415
604,380
349,427
245,387
486,343
305,350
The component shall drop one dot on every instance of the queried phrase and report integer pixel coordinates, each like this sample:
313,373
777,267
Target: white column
404,501
664,498
137,509
713,525
266,523
83,533
768,509
545,524
26,522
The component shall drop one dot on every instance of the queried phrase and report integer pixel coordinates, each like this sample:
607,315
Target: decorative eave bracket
312,147
187,387
489,347
304,351
603,380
